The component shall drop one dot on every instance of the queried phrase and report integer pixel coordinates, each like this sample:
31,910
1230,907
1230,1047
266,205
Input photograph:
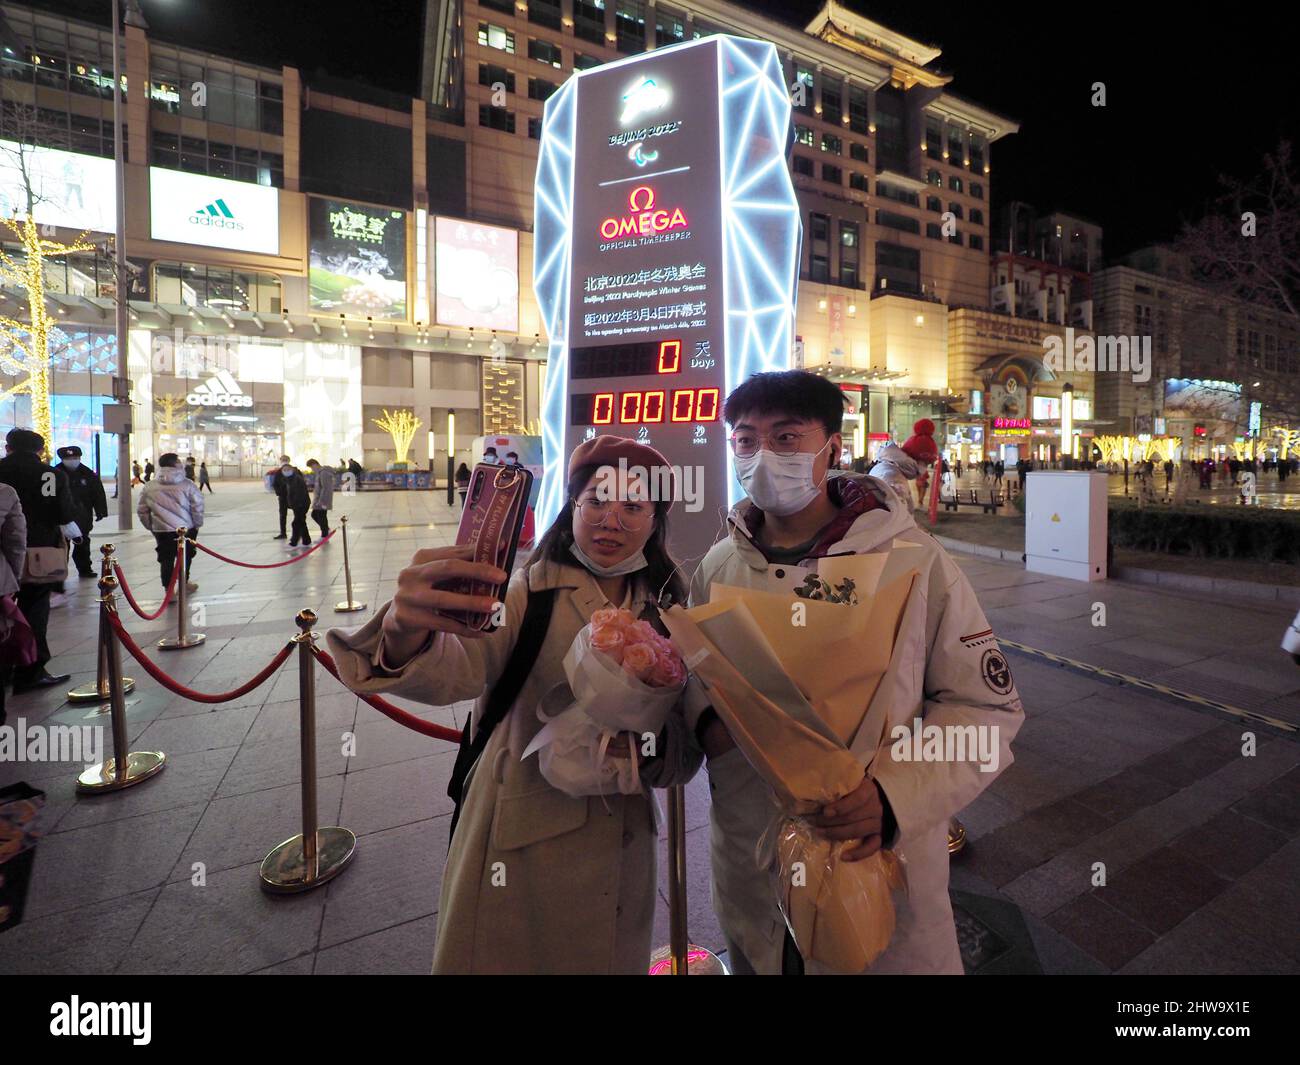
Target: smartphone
495,504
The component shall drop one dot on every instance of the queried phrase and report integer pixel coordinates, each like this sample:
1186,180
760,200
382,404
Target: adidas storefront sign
216,215
221,390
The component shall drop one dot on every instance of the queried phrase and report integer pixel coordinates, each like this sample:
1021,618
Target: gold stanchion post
316,855
124,768
100,691
183,638
348,606
680,957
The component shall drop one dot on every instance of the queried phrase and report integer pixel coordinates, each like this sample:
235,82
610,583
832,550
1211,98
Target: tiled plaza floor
1198,842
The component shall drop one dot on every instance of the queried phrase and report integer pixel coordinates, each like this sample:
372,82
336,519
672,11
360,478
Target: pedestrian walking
204,480
49,516
148,470
189,467
280,488
172,502
298,500
135,474
88,503
323,496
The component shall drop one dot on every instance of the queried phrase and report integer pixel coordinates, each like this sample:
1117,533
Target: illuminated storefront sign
213,212
221,390
476,274
357,259
1011,423
665,255
68,189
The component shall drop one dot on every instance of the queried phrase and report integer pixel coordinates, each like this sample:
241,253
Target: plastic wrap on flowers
622,677
841,914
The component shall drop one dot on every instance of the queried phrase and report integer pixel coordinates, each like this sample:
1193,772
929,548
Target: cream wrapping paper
794,696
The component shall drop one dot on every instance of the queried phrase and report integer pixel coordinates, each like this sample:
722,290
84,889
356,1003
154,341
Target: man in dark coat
88,503
47,503
280,485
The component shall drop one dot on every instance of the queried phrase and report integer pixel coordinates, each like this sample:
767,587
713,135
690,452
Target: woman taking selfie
537,881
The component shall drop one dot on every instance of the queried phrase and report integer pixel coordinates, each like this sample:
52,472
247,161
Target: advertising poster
213,212
1203,400
476,274
69,189
357,260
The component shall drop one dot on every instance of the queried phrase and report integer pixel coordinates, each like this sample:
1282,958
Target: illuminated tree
402,426
25,347
170,413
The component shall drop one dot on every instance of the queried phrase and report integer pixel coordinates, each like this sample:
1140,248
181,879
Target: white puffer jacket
897,469
170,501
947,670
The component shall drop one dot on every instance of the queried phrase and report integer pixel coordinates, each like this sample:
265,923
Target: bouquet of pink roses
623,676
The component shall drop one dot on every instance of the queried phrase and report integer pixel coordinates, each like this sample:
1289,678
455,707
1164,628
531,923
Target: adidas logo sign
216,215
221,390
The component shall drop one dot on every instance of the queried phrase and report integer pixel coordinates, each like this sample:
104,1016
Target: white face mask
286,470
72,464
779,484
634,562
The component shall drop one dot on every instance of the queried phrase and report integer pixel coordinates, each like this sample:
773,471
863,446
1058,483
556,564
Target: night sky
1192,91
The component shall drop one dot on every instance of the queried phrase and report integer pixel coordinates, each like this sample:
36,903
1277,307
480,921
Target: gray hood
895,456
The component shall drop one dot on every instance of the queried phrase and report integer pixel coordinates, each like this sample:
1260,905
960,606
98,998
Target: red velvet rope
180,689
167,592
266,565
402,717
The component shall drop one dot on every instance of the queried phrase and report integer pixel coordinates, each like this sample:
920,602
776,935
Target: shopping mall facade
286,291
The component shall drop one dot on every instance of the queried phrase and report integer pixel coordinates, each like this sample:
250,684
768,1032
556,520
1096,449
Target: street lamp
134,17
1067,423
451,457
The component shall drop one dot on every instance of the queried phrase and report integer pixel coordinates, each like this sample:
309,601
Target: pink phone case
495,504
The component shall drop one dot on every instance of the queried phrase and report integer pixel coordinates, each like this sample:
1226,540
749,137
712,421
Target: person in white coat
899,465
169,503
947,671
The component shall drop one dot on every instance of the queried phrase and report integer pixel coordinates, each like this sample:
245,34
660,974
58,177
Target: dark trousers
167,553
322,518
81,555
205,483
284,510
34,602
299,531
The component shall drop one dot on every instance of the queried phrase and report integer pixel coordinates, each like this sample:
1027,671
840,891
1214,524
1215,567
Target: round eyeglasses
631,517
745,443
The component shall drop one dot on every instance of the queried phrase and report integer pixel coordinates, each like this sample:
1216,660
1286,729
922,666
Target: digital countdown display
665,259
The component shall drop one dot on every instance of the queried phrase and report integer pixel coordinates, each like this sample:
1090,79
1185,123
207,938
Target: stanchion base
956,836
284,871
179,643
700,961
93,693
140,765
348,607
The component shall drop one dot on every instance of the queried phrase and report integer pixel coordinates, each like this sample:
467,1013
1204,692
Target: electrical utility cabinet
1065,524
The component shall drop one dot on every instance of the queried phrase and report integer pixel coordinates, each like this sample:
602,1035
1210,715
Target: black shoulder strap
532,631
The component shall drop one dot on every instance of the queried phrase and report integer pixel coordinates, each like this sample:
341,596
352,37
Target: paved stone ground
1199,843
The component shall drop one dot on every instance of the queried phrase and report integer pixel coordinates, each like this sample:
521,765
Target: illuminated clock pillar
666,260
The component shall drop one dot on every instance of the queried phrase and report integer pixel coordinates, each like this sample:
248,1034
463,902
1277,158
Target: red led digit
706,405
653,411
630,410
603,408
670,356
683,412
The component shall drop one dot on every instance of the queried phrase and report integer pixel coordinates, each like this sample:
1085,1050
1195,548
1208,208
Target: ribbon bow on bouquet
622,677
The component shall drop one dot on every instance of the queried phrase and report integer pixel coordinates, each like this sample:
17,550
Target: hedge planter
1207,531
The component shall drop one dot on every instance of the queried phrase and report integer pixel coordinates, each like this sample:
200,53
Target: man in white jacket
172,502
947,671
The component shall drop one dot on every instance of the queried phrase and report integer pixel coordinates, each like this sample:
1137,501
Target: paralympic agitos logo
643,219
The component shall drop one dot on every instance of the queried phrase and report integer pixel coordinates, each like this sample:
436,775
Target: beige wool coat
536,881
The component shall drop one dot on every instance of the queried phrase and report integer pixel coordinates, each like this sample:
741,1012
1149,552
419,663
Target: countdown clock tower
666,260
